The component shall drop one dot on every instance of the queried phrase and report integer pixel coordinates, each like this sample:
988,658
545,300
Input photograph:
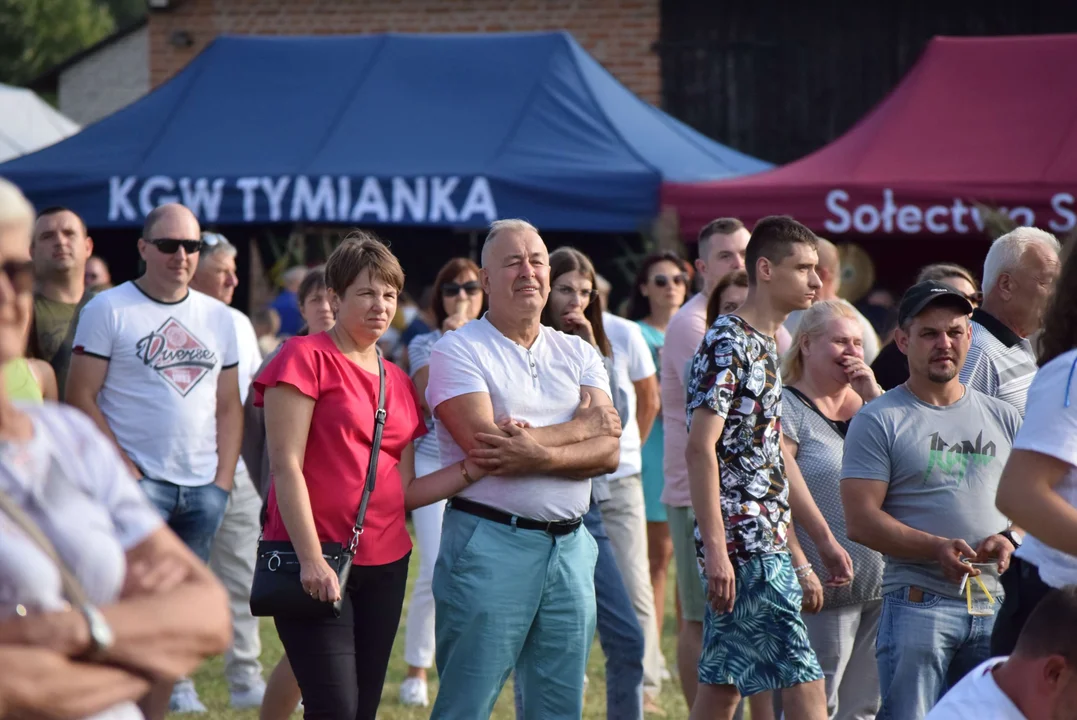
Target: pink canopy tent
977,120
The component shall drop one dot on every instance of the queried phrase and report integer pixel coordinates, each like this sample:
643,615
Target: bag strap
375,451
71,586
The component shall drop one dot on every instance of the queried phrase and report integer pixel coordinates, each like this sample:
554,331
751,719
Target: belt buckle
549,528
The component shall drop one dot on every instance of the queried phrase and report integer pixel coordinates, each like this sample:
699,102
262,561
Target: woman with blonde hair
826,382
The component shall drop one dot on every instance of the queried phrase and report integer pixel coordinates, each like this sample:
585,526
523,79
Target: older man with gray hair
514,580
236,542
1019,278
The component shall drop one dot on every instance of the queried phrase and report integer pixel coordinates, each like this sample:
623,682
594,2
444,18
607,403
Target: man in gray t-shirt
920,472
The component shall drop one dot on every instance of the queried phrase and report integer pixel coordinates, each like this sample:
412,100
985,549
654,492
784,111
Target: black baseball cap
929,292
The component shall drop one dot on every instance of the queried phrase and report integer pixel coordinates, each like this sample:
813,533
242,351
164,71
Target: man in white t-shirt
236,542
1037,682
155,365
514,581
623,513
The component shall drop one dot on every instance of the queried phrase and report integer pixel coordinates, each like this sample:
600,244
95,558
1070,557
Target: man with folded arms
514,581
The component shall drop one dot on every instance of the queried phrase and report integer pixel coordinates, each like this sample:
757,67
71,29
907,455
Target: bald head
829,269
172,217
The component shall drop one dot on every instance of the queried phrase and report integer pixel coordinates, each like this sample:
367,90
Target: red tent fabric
976,120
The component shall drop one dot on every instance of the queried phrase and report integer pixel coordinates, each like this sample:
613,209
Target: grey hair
215,243
1006,252
14,207
507,225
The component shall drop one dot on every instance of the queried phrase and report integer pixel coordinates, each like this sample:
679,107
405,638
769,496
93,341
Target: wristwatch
101,636
1013,537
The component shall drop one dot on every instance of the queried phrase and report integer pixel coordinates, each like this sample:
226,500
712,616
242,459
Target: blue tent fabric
435,130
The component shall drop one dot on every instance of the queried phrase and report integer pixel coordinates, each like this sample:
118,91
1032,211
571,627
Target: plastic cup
980,601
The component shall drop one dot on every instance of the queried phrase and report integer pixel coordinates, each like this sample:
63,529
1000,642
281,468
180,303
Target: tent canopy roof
528,124
980,120
28,123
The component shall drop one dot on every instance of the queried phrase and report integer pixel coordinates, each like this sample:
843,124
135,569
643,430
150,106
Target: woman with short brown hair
321,395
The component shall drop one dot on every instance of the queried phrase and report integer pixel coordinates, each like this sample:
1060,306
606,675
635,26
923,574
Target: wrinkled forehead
516,244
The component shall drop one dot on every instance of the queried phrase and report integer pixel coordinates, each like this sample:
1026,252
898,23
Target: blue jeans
506,597
923,649
193,513
618,631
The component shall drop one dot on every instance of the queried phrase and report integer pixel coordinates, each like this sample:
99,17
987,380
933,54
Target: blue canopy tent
434,130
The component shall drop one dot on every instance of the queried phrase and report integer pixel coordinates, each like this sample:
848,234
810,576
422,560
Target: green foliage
125,12
38,34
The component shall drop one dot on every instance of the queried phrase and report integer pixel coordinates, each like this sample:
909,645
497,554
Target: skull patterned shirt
735,375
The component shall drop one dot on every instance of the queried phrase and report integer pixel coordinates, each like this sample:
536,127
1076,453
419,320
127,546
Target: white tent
28,123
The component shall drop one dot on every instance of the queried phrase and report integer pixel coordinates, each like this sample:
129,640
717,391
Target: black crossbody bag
277,591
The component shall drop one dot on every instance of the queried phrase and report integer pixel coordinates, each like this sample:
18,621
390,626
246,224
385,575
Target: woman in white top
1038,489
457,299
153,611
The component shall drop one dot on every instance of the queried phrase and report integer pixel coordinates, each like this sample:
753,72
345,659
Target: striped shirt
1000,363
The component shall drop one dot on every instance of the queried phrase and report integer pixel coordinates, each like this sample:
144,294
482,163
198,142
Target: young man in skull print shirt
753,637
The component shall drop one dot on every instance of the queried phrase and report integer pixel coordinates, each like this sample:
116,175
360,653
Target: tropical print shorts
762,644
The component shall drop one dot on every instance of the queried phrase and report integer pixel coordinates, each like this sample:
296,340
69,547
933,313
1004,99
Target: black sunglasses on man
170,246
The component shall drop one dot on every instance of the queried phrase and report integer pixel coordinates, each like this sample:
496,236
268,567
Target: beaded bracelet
803,570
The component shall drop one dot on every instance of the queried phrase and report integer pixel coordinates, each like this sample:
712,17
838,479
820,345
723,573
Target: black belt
556,527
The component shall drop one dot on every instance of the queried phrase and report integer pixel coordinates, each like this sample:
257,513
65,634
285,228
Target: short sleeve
296,364
867,451
717,370
419,351
96,329
108,480
453,371
640,363
1050,427
229,339
418,428
792,417
593,370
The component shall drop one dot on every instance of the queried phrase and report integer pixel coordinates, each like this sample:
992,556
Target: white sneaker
413,692
185,698
249,698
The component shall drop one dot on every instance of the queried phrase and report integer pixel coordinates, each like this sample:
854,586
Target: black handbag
276,591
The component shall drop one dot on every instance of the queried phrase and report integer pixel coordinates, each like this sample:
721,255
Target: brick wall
619,33
106,80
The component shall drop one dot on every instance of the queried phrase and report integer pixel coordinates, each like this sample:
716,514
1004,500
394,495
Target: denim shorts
763,644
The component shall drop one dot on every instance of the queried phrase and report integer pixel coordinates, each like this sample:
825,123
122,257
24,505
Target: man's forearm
583,460
879,531
42,683
561,435
90,408
704,485
229,442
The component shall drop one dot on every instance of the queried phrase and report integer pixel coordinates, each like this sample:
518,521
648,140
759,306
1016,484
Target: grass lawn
214,690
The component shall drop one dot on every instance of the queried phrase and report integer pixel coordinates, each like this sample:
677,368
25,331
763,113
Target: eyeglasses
171,246
20,273
472,287
679,280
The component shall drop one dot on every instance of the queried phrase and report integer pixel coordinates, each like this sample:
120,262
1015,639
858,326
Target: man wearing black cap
921,469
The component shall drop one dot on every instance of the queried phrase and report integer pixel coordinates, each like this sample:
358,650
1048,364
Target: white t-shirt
1050,428
73,484
632,362
975,697
540,386
160,392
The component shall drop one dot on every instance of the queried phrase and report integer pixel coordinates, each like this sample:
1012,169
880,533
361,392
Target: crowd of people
863,521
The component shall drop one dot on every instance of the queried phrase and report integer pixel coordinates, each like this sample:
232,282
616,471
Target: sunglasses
170,246
20,273
472,287
678,279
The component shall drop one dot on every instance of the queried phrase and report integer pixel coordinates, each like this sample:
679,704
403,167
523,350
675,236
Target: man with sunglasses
155,365
60,249
1019,278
